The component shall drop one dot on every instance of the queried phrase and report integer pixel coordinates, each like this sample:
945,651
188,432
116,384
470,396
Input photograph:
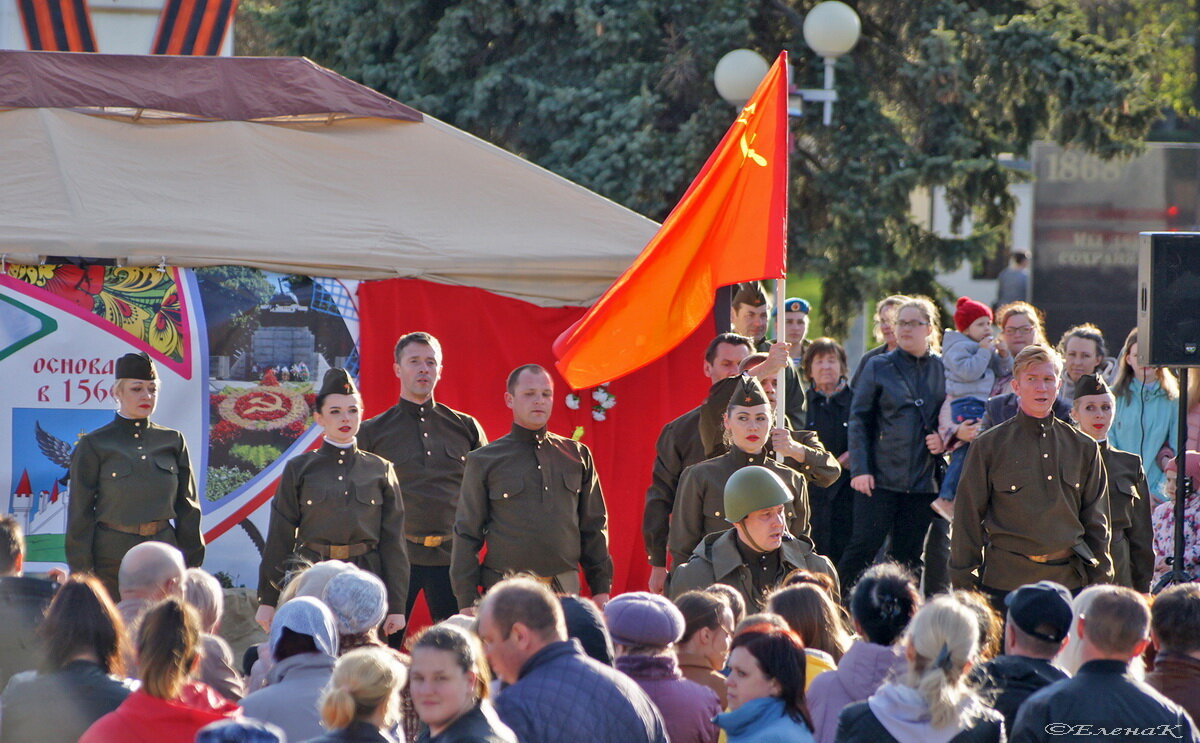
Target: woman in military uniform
749,428
130,479
337,503
1129,503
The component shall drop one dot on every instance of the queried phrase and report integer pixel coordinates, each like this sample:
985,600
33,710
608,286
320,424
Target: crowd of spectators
879,650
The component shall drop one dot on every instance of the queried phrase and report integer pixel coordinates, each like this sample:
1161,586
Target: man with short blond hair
1032,503
1102,701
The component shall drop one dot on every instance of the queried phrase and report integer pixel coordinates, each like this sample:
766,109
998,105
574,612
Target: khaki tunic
1129,511
428,445
678,448
700,505
533,498
130,472
341,497
1031,487
717,559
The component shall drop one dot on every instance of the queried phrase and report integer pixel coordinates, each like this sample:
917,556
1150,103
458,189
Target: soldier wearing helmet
756,554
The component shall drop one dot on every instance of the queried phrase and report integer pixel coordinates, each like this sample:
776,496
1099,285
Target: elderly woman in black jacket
894,444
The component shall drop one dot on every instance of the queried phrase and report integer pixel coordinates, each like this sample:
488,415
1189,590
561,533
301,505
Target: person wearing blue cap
795,321
1039,620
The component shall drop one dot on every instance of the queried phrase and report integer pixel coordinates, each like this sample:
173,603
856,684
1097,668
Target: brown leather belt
1053,556
148,529
339,551
433,540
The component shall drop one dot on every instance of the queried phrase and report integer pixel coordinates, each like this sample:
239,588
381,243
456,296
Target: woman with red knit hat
972,366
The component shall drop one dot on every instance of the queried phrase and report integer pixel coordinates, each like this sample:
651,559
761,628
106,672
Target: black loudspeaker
1169,299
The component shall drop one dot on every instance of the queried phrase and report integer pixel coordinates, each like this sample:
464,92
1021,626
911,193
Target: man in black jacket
1102,701
23,602
1039,620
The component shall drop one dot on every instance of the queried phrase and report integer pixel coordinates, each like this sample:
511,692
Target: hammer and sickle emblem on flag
748,152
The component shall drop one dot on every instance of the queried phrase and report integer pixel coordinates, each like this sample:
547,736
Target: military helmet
752,489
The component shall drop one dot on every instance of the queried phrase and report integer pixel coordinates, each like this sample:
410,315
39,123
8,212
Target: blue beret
796,304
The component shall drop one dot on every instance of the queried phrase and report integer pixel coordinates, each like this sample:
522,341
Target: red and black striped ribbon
57,25
193,27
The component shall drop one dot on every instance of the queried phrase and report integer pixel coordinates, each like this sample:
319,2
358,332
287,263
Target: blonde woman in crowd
360,703
932,701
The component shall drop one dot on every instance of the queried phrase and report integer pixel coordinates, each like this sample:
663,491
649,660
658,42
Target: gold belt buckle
148,529
1042,559
434,540
339,552
547,581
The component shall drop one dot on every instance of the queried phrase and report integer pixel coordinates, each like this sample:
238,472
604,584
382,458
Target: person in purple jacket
882,603
645,628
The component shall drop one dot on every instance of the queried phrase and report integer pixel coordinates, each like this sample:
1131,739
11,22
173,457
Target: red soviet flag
729,227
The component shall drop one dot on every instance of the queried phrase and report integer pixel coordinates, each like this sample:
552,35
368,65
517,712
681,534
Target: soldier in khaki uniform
1129,502
748,423
757,553
1032,503
337,503
533,498
679,447
749,315
129,480
427,442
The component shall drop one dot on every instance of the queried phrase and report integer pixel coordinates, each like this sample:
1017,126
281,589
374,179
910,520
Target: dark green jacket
679,447
335,496
131,472
1129,507
1031,486
534,499
428,445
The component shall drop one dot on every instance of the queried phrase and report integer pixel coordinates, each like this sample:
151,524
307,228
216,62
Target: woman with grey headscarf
304,644
358,601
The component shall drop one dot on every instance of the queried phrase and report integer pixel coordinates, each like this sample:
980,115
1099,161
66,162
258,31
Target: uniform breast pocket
368,496
573,479
314,496
1008,487
115,469
166,463
504,489
456,452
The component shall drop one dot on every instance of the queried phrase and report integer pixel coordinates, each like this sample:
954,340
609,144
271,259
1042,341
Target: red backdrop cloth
484,337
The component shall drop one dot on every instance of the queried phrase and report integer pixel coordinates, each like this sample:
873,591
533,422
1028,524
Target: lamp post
831,29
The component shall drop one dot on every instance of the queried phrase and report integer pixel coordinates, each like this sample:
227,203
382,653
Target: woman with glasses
894,444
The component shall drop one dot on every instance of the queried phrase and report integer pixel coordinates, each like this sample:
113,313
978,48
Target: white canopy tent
313,191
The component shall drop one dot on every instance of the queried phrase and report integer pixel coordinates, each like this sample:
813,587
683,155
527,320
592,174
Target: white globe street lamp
831,29
738,74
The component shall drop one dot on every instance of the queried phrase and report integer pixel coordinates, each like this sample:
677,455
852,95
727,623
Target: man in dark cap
1039,620
131,482
758,552
750,314
1032,503
428,443
534,499
679,447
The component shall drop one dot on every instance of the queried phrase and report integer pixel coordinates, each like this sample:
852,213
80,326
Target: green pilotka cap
752,489
136,366
337,382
